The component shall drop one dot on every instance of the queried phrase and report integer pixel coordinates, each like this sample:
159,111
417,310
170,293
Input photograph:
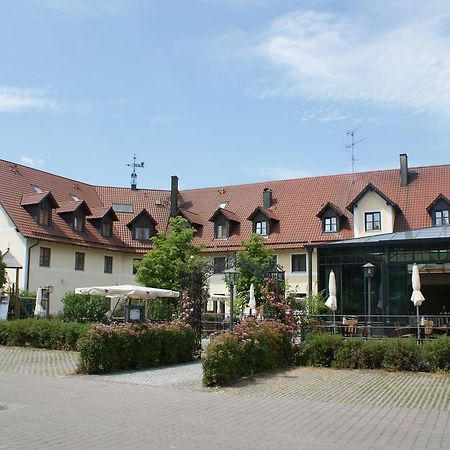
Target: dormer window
224,223
372,221
142,226
332,218
263,220
74,214
441,217
439,211
40,206
102,219
261,228
330,224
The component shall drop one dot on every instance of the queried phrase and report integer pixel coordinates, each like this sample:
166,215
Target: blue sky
222,91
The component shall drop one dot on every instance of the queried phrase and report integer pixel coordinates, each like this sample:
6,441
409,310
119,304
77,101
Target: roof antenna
351,147
134,174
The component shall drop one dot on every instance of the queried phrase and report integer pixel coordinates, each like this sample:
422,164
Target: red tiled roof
72,206
267,212
439,197
294,202
99,213
35,198
191,216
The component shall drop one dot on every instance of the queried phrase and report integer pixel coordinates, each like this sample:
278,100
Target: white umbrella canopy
252,300
331,302
127,291
38,309
417,298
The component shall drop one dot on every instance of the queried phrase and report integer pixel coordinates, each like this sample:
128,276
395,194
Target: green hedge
84,308
42,333
111,348
252,347
327,350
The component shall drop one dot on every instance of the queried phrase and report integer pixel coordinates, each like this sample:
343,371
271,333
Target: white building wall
372,202
64,278
12,239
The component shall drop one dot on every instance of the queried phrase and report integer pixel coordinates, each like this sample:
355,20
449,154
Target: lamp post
369,272
231,277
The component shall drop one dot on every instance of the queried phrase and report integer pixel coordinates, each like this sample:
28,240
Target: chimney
174,196
267,198
403,169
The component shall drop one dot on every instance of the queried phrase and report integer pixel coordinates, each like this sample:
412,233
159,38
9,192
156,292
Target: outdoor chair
403,331
351,327
316,326
428,328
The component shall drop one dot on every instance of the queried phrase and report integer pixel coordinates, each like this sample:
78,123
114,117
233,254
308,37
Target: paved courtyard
168,408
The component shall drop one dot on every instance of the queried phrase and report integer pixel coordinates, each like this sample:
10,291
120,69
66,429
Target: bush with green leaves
252,347
437,353
319,350
42,333
115,347
402,355
85,308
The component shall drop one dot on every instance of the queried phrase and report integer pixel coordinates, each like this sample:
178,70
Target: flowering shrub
42,333
253,346
110,348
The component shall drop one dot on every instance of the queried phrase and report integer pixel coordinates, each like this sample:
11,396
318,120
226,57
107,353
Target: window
441,217
298,263
330,225
122,207
108,266
136,262
219,264
222,231
106,229
141,233
44,217
44,257
261,228
79,261
373,221
78,224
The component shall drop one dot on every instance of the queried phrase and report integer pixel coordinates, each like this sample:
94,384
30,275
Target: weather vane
135,165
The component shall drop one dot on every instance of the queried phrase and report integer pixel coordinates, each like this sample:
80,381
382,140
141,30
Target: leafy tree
2,274
252,262
172,259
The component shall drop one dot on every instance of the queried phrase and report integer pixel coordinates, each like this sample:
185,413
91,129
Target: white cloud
32,162
87,8
403,61
14,99
162,119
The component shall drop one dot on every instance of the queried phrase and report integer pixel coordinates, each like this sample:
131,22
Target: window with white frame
261,228
372,221
330,224
441,217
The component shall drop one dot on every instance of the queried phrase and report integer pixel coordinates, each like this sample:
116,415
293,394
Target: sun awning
127,291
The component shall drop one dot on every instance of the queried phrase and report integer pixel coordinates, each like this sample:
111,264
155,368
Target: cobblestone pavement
34,361
301,408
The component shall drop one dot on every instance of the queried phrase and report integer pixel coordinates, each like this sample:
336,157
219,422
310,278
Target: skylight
223,205
37,189
75,198
122,207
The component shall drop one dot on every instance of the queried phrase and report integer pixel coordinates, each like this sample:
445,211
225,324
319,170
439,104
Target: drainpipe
309,252
27,277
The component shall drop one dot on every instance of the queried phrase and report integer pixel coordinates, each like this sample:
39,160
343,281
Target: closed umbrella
252,300
38,309
331,302
417,298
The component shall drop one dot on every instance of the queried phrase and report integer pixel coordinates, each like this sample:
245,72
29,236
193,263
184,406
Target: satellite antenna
351,146
134,165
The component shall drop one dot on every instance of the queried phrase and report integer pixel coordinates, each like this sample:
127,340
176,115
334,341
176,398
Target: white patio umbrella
417,298
127,291
38,309
331,302
252,300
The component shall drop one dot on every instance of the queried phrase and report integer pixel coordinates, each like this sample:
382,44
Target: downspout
27,285
309,251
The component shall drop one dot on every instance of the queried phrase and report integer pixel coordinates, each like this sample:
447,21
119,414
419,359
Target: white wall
372,202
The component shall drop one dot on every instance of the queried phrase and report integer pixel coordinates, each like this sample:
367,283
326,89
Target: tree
252,262
2,274
172,259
